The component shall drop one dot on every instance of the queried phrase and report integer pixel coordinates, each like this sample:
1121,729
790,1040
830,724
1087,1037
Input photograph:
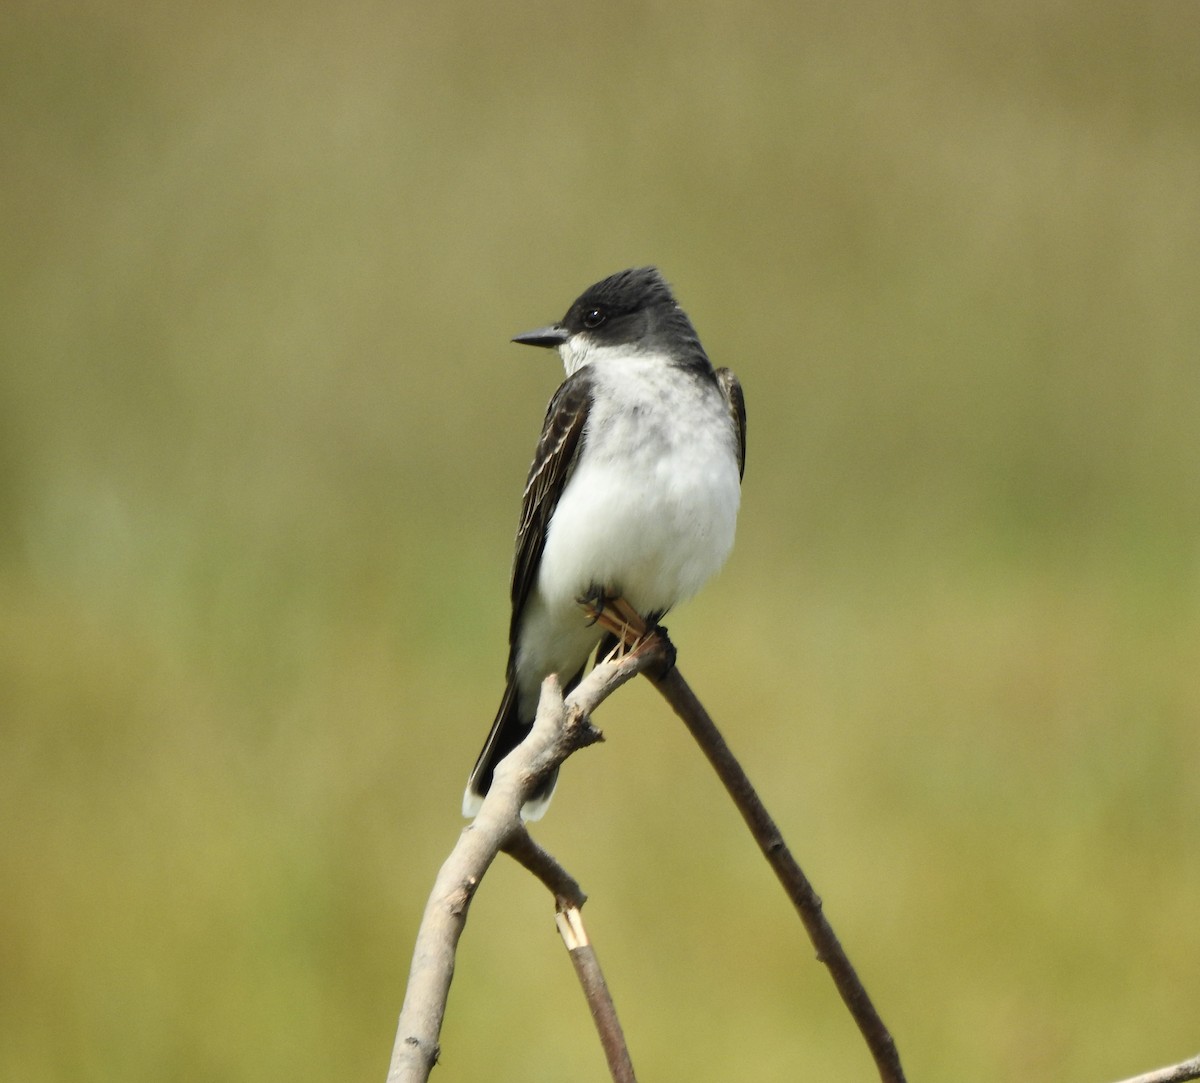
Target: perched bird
633,493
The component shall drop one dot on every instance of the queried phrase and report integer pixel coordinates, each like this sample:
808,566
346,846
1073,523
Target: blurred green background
262,439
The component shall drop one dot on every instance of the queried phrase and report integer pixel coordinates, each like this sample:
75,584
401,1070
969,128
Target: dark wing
553,463
735,402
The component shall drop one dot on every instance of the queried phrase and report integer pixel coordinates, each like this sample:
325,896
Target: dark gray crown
621,294
633,306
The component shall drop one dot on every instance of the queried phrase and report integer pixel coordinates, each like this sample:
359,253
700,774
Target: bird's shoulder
553,463
562,426
735,404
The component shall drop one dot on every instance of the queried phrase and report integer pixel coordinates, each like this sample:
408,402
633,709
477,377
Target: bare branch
1177,1073
561,728
569,897
523,849
595,989
804,898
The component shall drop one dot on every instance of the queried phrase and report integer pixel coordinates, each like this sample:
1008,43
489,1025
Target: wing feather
553,463
735,402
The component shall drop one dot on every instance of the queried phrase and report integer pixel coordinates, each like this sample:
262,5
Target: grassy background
261,445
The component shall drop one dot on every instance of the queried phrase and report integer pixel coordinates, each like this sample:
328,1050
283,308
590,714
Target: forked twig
562,727
568,898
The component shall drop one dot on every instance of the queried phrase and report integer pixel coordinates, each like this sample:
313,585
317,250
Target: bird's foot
617,617
626,626
659,632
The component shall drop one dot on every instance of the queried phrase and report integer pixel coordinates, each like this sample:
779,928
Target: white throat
580,350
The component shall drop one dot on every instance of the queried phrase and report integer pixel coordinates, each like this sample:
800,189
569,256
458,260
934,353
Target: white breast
651,509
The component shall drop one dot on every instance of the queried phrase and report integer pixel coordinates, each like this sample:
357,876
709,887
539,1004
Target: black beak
555,335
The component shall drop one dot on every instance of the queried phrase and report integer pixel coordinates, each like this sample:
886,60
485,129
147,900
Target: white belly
654,537
652,528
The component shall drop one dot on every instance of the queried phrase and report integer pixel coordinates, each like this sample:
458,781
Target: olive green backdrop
262,438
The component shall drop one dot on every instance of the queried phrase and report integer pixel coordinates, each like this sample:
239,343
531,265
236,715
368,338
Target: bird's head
624,311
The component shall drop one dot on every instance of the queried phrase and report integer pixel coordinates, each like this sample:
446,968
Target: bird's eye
594,317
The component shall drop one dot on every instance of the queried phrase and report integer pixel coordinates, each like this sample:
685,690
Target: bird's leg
627,626
635,627
617,617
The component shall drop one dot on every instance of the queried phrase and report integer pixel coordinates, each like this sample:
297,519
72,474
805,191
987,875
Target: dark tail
508,731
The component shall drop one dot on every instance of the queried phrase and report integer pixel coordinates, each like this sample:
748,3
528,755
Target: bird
633,492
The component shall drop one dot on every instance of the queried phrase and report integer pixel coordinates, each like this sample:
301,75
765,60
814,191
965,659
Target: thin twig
1176,1073
522,848
595,989
683,701
568,898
